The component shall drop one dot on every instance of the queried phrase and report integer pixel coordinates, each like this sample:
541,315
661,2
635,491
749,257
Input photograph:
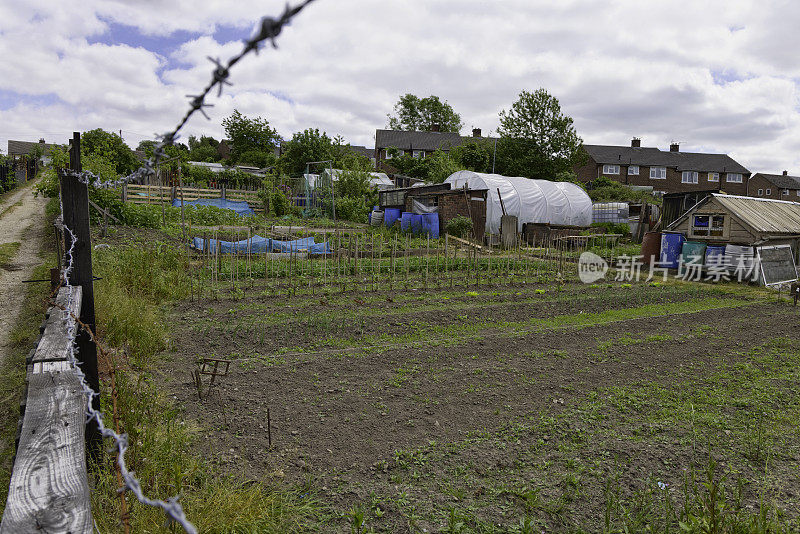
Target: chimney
786,173
436,127
476,132
674,147
636,142
41,140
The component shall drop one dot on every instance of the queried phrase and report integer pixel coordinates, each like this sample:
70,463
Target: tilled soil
348,419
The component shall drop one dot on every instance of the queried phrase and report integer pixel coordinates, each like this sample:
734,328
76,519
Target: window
633,169
658,173
735,178
689,177
708,225
388,154
713,177
418,154
610,169
769,192
785,192
761,192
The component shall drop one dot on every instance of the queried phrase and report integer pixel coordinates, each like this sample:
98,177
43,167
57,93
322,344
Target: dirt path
20,217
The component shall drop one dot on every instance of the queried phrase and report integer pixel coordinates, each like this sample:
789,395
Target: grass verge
138,284
8,251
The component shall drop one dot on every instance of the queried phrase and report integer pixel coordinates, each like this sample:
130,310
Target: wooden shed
738,220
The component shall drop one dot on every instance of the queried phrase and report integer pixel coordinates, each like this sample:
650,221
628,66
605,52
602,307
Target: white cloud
717,76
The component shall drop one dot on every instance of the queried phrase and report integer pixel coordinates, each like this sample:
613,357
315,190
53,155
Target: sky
714,76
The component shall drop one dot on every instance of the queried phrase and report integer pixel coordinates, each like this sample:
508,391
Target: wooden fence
49,491
155,194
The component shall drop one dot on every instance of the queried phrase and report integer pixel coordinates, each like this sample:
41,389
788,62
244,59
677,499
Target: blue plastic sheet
259,245
239,206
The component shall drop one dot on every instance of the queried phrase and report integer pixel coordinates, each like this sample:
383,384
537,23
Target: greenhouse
531,201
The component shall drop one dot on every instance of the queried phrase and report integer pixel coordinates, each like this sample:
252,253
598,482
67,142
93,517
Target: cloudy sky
716,76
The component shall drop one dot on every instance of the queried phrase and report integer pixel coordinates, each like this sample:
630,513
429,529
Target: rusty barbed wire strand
268,29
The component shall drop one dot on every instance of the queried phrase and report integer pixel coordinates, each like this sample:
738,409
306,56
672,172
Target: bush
613,228
459,226
351,209
279,203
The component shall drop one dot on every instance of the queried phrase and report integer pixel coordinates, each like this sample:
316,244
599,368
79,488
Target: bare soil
473,419
20,215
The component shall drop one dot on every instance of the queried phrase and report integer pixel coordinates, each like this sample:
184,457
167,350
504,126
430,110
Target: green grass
8,251
137,283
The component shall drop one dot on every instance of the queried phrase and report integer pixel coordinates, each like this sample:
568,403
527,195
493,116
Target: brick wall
775,192
672,183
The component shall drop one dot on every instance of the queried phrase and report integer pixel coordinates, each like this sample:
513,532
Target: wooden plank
102,211
52,345
49,490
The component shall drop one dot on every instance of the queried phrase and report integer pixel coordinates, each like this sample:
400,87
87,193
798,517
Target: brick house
670,171
775,186
418,144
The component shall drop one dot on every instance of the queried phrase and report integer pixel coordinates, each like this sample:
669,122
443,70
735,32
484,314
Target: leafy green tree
420,114
310,145
246,134
179,151
537,140
475,155
102,145
59,158
434,168
203,149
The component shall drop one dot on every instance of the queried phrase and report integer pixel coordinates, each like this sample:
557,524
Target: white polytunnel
532,201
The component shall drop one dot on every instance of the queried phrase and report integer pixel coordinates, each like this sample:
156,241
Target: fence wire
268,30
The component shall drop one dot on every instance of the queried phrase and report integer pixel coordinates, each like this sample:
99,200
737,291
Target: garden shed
746,226
741,220
531,201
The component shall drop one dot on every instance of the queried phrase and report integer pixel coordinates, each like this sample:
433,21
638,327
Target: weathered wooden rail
49,490
155,194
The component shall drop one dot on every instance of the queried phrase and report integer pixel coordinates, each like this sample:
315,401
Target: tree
536,139
420,114
310,145
434,168
246,135
475,155
203,149
110,147
178,151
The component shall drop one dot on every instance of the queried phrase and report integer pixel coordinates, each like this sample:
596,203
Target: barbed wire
268,29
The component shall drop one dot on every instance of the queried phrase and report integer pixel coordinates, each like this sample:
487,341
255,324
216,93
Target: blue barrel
405,221
430,224
715,255
390,215
416,223
671,245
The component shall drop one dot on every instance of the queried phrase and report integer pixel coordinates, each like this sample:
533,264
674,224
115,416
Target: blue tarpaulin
239,206
259,245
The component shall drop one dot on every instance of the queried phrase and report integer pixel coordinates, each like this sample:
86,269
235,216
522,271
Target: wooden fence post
75,205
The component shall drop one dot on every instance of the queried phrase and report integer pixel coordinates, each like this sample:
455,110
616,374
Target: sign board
777,264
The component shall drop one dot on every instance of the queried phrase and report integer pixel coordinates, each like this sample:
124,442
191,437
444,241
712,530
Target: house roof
761,214
650,156
781,181
416,140
364,151
23,148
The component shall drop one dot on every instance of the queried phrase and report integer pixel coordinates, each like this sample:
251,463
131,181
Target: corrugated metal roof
762,214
